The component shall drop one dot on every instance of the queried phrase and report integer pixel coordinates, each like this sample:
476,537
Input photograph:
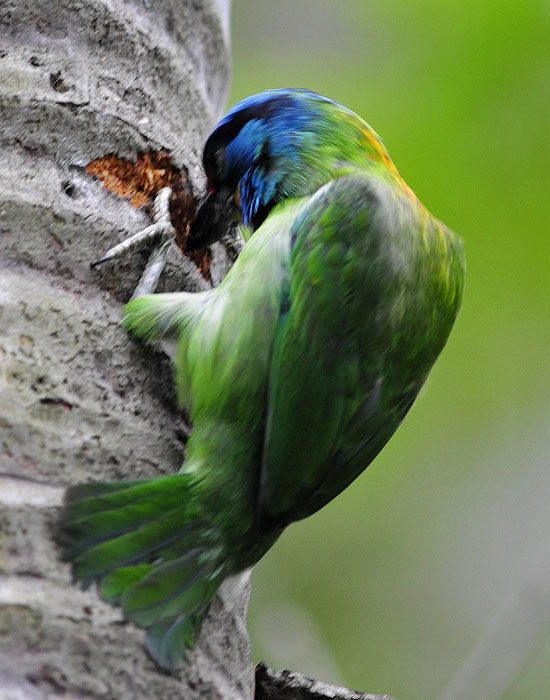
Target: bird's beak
217,213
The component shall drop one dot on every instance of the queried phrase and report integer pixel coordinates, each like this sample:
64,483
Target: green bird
296,370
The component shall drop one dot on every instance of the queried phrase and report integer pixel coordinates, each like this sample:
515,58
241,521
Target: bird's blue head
270,147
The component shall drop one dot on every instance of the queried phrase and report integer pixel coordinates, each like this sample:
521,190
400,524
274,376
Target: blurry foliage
390,586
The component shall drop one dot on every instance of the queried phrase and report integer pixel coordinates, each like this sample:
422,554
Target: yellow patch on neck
375,145
378,152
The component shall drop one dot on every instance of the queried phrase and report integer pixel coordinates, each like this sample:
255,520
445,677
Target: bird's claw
161,230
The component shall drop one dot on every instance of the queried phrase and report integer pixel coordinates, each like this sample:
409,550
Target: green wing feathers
357,336
317,378
150,553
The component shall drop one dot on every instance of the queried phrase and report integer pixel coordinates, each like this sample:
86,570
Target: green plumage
296,370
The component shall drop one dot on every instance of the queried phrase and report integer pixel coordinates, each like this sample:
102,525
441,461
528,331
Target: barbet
296,370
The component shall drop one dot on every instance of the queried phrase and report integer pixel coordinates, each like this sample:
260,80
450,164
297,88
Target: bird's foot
161,230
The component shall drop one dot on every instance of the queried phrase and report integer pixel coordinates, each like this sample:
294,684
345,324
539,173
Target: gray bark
79,400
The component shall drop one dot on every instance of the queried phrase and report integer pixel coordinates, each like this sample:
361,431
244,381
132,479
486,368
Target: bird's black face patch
214,165
216,215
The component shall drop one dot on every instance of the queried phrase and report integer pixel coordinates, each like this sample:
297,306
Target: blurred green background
391,586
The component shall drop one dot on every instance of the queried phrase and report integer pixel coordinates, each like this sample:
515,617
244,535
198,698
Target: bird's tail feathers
149,552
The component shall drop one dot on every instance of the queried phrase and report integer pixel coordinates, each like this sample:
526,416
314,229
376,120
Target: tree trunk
79,400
